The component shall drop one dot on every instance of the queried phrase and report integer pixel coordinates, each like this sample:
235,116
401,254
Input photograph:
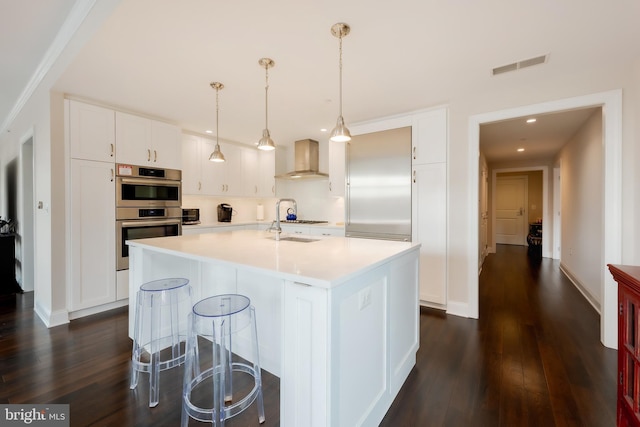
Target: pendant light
340,133
217,155
266,143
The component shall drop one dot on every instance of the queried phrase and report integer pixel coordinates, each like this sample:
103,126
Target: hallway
533,358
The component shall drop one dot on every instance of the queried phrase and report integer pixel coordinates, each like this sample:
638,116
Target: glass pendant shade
217,155
266,143
340,133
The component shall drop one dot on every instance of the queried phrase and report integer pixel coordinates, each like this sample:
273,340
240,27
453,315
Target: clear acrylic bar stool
160,326
217,320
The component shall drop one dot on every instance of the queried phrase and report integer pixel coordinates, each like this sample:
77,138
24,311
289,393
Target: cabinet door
429,227
429,137
93,249
266,174
213,174
250,171
91,132
233,166
165,145
336,168
191,165
133,140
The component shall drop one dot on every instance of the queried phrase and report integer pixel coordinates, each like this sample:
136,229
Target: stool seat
217,319
160,330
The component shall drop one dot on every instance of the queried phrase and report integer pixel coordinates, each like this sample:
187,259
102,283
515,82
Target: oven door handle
151,222
149,181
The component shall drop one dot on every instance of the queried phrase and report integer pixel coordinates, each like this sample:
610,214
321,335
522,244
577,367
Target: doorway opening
27,217
611,104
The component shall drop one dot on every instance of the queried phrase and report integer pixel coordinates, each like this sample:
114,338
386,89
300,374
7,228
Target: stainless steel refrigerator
378,191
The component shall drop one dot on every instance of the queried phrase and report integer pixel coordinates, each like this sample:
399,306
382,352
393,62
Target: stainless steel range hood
306,161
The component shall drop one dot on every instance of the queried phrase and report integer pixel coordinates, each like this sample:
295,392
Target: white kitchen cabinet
429,227
91,132
145,142
192,165
337,168
266,173
250,172
429,137
165,139
92,240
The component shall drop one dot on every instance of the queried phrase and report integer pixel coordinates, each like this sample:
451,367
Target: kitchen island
337,317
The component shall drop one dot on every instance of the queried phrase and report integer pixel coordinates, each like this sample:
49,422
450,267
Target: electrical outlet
364,298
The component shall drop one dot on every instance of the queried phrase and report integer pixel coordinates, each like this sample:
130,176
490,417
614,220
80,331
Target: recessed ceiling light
520,149
208,131
531,120
323,130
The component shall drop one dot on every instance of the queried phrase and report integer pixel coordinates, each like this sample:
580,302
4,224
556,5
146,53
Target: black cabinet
8,284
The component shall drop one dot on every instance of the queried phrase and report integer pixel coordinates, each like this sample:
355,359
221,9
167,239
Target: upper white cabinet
91,132
192,165
245,173
429,137
146,142
336,168
266,173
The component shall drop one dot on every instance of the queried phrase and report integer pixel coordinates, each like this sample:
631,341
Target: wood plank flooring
534,358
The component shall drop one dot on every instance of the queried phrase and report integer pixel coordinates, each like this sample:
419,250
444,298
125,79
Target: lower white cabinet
429,220
92,243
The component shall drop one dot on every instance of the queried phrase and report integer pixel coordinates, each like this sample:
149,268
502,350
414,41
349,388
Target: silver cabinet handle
330,186
414,176
199,185
273,189
112,150
155,156
414,153
148,155
112,174
255,189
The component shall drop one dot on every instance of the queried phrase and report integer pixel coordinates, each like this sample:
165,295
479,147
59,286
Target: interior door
511,203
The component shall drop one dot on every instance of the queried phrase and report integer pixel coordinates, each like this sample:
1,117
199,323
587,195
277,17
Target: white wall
526,87
581,207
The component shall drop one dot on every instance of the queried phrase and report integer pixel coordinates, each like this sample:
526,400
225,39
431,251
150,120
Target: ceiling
158,57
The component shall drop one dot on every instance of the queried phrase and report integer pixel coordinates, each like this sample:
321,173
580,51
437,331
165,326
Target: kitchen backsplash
310,206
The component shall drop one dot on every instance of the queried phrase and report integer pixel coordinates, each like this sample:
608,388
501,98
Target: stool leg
219,368
175,326
256,366
135,352
154,374
228,366
190,358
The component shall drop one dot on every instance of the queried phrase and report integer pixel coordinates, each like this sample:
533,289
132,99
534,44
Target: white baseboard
99,309
581,288
51,319
458,308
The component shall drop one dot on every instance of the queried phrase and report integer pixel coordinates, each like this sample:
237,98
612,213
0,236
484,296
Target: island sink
295,239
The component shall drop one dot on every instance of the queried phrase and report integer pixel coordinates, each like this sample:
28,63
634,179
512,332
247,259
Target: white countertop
326,263
260,224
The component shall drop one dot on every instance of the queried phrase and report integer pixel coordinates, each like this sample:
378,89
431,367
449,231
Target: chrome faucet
295,209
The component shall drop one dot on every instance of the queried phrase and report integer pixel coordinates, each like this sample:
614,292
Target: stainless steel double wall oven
148,204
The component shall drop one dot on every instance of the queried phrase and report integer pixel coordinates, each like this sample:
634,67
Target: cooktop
303,221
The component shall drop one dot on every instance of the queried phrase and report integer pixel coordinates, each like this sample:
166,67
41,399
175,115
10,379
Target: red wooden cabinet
628,278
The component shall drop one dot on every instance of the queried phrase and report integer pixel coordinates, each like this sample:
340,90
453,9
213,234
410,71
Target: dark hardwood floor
533,358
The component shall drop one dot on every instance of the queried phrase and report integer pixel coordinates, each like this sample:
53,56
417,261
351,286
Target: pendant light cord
217,121
266,97
340,66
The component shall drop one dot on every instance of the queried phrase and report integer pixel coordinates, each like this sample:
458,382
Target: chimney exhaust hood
306,161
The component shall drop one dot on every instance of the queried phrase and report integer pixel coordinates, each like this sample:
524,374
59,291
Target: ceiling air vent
519,65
